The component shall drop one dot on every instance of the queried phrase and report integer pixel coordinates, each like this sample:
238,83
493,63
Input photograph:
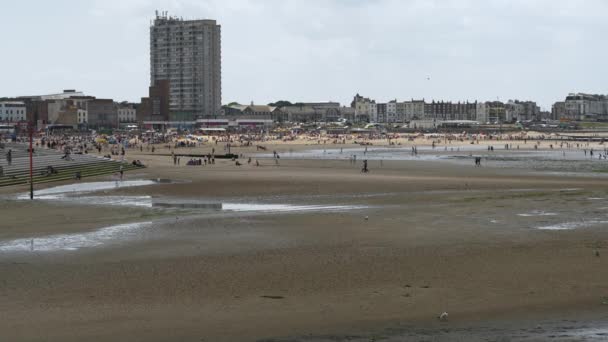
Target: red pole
31,163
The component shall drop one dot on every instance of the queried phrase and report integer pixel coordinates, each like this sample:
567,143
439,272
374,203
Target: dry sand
440,237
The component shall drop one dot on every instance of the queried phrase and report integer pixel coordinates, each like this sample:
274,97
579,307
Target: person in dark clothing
365,169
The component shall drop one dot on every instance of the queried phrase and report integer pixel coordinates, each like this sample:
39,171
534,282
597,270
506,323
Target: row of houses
367,110
76,109
81,111
363,109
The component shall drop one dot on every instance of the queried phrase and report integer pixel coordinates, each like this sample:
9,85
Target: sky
319,50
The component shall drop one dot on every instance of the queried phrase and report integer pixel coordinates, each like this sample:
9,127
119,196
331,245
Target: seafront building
522,111
187,54
482,112
75,109
12,111
582,107
391,112
442,110
318,112
153,111
127,113
366,109
37,105
421,110
69,111
255,112
558,110
382,112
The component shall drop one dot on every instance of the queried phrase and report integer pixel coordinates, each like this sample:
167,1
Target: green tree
281,103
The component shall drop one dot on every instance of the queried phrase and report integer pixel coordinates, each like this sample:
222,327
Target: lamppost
30,128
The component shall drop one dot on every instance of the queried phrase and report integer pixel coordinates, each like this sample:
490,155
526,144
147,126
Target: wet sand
439,237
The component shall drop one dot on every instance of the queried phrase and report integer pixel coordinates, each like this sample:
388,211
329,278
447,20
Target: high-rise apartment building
187,53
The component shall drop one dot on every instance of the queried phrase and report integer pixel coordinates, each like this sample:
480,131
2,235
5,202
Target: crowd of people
118,146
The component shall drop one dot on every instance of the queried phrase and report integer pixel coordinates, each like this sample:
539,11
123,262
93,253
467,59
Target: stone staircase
19,171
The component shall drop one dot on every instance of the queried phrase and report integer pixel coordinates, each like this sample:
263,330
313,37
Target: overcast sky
319,50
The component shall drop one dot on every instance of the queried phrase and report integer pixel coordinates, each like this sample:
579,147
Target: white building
127,114
83,117
425,124
391,112
586,107
12,111
414,109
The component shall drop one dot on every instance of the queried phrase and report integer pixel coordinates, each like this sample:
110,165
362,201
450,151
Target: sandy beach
314,250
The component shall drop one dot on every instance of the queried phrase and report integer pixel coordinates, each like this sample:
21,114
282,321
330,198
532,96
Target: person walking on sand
365,169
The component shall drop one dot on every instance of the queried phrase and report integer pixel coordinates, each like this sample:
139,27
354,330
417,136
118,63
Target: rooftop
66,94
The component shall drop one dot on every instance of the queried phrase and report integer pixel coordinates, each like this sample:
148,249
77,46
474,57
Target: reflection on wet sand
72,242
